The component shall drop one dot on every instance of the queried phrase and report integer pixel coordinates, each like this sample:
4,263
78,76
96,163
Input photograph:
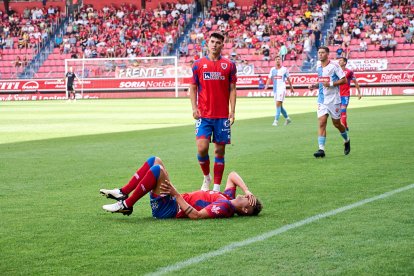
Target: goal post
95,70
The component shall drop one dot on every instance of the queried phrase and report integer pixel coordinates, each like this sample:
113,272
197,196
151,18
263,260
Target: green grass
55,156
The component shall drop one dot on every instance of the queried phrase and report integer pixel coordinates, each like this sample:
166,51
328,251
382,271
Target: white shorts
331,109
280,95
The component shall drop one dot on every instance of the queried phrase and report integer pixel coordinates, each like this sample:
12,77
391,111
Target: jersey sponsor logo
224,66
324,79
277,77
212,76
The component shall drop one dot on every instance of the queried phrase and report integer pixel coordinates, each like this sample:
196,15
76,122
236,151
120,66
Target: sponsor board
366,79
303,92
92,95
368,64
300,92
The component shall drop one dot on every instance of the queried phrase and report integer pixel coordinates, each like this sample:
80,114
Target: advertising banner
252,93
365,79
369,64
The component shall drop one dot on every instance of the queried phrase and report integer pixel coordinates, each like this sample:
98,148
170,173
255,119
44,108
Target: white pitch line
265,236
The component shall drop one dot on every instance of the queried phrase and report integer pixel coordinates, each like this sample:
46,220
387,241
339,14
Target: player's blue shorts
345,100
163,206
220,128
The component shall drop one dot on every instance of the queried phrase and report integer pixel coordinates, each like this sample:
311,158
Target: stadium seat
372,47
371,54
359,55
382,54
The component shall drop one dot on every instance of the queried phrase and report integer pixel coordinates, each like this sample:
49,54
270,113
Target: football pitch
338,215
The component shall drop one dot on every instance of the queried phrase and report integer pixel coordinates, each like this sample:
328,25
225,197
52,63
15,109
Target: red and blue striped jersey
213,79
345,89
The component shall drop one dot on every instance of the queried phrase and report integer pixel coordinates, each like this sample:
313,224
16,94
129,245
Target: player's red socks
147,183
218,169
136,178
204,163
343,119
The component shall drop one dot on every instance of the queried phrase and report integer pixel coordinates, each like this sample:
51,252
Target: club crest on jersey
212,76
224,66
204,66
215,209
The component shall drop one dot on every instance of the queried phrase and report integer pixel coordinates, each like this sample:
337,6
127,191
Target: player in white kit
279,75
330,77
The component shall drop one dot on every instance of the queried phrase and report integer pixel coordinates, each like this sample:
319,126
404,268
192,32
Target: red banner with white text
251,93
372,84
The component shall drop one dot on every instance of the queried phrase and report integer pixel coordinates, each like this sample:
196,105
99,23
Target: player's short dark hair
324,48
257,208
217,35
344,59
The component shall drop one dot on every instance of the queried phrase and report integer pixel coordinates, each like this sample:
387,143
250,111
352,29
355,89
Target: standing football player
330,77
279,74
213,100
345,90
70,79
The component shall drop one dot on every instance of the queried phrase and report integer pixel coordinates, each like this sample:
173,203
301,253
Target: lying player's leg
122,193
162,206
149,182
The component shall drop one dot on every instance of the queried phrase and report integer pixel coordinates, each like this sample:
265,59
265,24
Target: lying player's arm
234,180
168,188
233,96
190,211
359,94
193,98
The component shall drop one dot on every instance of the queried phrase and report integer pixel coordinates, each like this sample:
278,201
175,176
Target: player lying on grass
167,202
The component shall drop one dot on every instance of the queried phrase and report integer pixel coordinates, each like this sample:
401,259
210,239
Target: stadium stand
257,32
23,32
386,28
118,31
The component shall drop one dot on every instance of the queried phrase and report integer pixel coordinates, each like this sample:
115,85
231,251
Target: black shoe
320,153
347,148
